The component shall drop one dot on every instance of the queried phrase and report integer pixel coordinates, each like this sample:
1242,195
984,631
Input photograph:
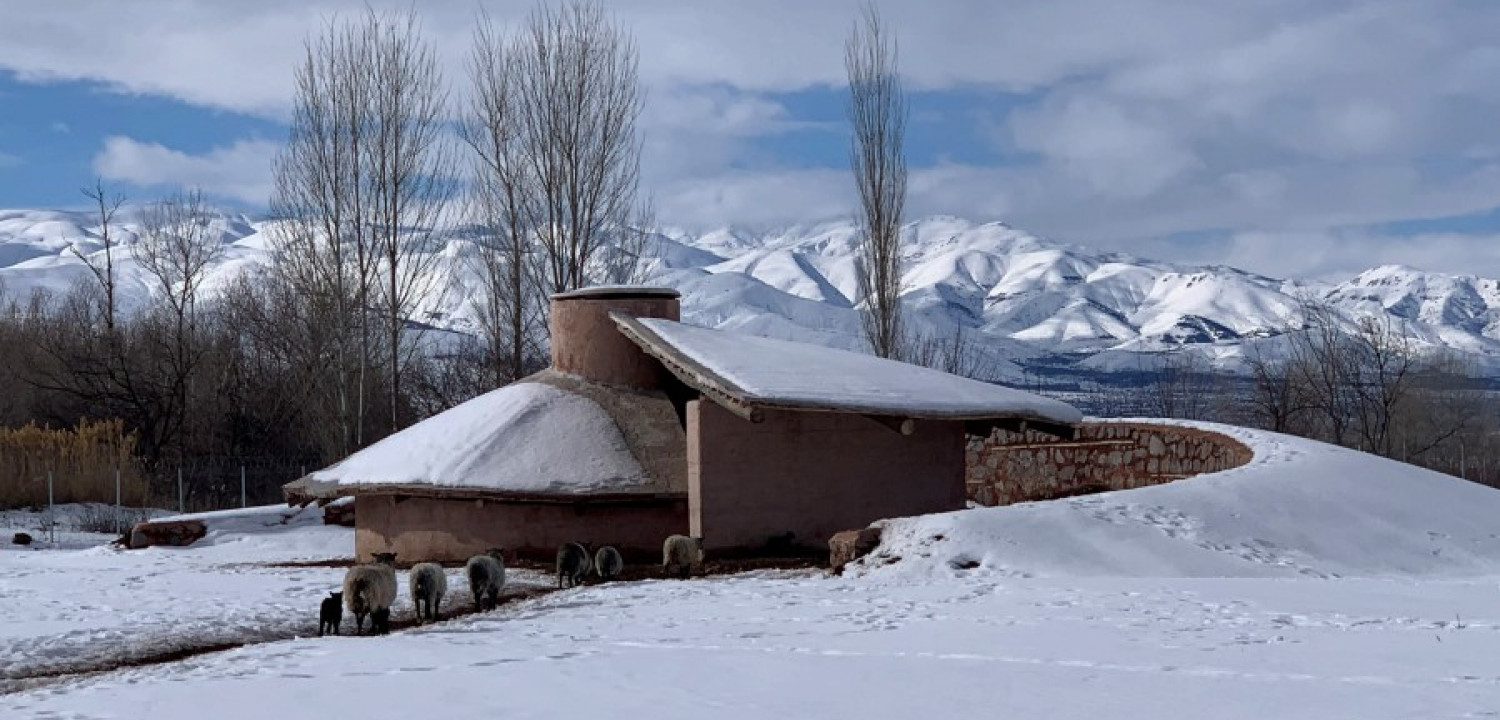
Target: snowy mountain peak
1025,300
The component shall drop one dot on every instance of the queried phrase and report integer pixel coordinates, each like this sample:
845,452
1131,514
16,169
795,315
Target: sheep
428,584
608,563
331,613
370,588
679,554
486,577
573,563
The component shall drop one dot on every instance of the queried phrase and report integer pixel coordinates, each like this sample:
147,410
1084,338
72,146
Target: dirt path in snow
162,651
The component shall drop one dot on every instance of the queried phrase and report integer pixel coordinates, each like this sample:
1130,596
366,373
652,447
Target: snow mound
1300,508
525,437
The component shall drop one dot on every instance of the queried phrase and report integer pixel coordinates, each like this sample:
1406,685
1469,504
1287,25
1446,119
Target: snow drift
1299,508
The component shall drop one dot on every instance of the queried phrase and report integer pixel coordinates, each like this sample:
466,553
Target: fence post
51,512
119,511
243,504
181,507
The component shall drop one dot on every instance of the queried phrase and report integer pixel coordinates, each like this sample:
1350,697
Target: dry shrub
82,460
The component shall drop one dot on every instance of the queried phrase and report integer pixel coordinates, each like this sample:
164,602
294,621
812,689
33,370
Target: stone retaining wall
1010,467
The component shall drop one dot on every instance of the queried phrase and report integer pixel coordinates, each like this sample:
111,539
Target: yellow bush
82,460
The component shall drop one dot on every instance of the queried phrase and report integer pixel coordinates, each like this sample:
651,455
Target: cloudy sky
1287,137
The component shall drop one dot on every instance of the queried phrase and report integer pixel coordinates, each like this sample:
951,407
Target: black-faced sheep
680,554
331,614
486,575
573,563
608,563
428,584
370,588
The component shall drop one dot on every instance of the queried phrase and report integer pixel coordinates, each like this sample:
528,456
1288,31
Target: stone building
644,426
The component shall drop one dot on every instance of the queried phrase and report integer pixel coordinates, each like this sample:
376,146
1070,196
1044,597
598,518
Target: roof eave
318,490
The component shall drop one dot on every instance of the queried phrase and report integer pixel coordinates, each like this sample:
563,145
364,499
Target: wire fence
110,501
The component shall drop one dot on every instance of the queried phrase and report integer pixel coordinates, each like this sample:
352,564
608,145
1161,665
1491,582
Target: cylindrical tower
586,343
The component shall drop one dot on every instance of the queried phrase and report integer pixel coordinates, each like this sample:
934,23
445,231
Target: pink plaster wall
421,529
813,474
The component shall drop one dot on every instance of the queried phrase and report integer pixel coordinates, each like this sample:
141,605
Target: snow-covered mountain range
1020,300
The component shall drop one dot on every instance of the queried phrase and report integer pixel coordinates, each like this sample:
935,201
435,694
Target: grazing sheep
428,584
608,563
486,577
679,555
331,614
573,564
370,588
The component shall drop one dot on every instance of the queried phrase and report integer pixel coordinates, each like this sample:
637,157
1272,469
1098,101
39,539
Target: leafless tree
363,182
1321,357
578,95
1279,399
106,205
1383,367
410,169
877,114
177,243
1184,385
504,204
954,352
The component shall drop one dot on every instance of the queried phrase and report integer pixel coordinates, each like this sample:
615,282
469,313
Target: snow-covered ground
1313,583
70,525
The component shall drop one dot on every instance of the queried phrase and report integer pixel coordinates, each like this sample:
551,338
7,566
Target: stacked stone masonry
1010,467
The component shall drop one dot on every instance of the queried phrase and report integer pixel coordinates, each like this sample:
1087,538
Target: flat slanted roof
745,373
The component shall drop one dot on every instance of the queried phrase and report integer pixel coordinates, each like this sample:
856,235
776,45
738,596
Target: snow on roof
527,437
762,372
618,291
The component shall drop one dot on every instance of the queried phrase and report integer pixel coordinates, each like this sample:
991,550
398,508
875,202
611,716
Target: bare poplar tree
503,203
363,182
320,234
409,166
579,98
877,115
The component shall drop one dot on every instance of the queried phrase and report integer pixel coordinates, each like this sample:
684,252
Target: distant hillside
1024,300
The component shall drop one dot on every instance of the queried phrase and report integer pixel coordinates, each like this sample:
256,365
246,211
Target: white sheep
573,561
428,584
680,554
486,575
608,563
370,589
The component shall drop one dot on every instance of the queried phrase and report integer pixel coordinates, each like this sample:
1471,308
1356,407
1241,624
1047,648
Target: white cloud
241,171
1139,120
756,198
1338,255
60,127
7,160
